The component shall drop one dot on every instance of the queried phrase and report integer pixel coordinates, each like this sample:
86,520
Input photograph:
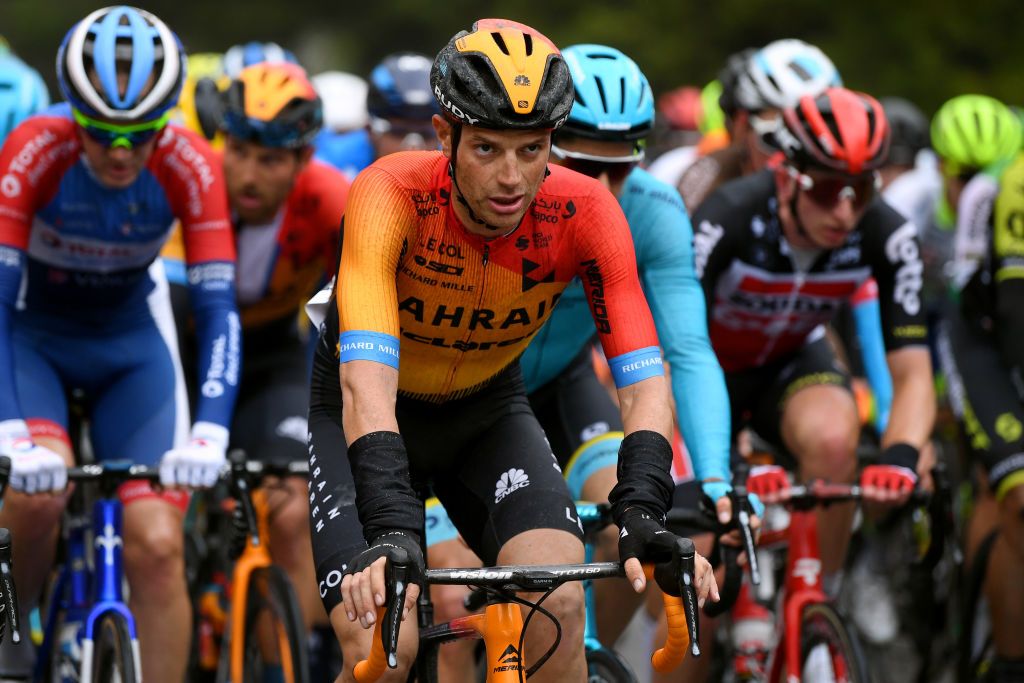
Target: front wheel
273,632
116,658
829,649
606,666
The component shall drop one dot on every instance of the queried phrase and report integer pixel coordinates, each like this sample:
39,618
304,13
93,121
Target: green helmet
975,131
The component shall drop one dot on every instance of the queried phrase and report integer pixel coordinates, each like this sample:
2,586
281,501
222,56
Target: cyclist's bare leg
1003,585
820,429
154,564
455,660
34,522
290,544
551,546
616,600
355,646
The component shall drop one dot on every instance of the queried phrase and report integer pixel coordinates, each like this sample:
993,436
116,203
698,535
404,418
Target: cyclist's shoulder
320,191
1011,181
41,138
651,193
739,198
410,171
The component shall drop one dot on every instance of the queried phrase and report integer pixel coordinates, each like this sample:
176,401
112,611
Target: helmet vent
529,43
579,98
622,95
500,41
600,91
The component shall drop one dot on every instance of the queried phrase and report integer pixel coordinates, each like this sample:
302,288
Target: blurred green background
927,50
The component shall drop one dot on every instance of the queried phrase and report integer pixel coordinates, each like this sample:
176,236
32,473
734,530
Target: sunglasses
614,168
827,191
113,135
265,133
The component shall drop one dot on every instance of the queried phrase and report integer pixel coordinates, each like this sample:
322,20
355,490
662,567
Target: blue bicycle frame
85,594
589,512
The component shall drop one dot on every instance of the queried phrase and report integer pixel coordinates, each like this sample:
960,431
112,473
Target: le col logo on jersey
510,482
452,108
901,249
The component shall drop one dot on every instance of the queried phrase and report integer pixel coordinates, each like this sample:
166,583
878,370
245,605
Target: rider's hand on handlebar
363,588
770,483
643,538
199,463
34,469
891,484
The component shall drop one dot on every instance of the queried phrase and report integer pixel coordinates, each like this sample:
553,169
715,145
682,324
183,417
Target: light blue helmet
127,41
239,57
22,93
613,98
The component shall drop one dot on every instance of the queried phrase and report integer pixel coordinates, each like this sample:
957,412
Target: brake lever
681,570
397,572
10,594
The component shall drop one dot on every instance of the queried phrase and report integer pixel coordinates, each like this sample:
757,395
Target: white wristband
212,432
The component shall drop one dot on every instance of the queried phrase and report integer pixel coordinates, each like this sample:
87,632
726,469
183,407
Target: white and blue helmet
121,63
22,93
780,73
239,57
613,98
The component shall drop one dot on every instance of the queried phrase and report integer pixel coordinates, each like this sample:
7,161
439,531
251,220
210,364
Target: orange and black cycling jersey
280,264
459,308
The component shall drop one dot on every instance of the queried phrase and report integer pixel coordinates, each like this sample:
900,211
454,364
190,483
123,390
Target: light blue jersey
663,240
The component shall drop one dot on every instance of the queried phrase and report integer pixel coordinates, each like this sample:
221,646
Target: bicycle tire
822,624
271,593
114,661
607,666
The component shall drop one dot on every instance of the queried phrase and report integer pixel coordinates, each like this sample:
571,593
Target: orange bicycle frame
254,557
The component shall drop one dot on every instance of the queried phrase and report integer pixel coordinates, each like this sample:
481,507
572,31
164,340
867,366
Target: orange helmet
274,105
502,74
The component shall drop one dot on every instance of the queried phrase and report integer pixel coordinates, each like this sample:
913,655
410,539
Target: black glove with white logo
643,537
397,546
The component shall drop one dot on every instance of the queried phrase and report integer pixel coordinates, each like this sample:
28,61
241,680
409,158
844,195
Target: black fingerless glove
391,544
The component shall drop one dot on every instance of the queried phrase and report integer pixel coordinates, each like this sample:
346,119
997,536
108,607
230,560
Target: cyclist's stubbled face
827,224
115,167
499,173
259,179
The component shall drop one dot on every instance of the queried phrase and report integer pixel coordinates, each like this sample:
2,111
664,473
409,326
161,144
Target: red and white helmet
840,130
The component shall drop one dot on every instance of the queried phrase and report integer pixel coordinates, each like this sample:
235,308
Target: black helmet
502,74
909,130
400,88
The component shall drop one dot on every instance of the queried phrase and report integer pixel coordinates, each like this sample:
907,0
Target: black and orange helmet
502,75
840,130
274,105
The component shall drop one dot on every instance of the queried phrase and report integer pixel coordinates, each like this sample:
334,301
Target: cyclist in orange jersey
452,261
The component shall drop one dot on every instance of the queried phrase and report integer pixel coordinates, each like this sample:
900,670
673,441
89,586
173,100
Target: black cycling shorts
484,456
273,399
758,396
581,421
984,399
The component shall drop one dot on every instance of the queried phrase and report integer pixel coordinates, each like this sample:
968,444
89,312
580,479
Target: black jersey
761,306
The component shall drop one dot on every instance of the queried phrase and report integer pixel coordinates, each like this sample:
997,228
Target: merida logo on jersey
595,283
901,249
452,108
